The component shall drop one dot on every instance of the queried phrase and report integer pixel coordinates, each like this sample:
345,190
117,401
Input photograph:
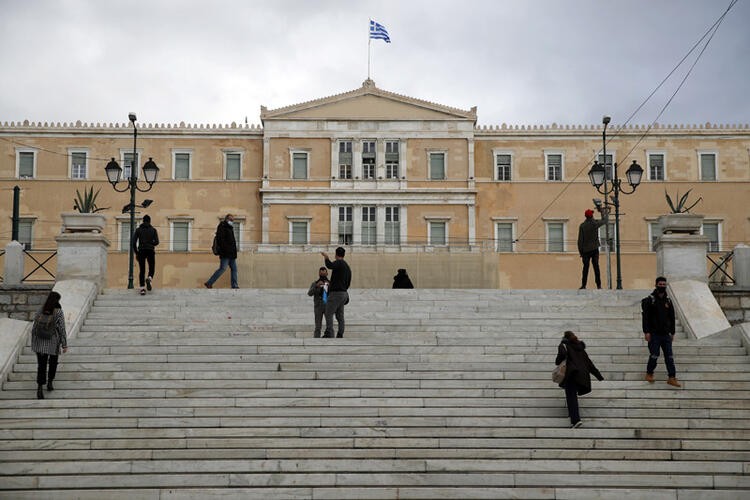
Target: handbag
558,374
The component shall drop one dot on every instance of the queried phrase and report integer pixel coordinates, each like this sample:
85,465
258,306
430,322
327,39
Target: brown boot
650,378
673,382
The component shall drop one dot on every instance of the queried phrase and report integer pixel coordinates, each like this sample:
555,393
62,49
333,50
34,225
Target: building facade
400,181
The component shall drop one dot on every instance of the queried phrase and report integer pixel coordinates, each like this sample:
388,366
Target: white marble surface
697,309
12,337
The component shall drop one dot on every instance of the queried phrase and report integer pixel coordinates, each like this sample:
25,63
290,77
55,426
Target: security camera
597,203
131,117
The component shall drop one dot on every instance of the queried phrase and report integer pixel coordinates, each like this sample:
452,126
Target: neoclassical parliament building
401,182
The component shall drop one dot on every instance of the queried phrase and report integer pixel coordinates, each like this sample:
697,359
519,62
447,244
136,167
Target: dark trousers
143,257
571,398
593,257
335,306
41,368
319,309
664,343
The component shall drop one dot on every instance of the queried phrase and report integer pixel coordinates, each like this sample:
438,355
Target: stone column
13,272
82,256
740,264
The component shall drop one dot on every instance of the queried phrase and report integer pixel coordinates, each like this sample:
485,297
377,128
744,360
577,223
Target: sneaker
576,425
650,378
148,283
207,285
143,291
673,382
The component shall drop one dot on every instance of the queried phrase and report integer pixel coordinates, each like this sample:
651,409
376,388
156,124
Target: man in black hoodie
145,240
319,298
657,313
227,244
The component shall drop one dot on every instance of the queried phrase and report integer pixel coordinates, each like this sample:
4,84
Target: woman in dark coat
578,371
48,338
401,280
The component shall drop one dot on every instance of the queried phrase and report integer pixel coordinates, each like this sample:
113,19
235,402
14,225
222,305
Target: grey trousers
335,306
319,310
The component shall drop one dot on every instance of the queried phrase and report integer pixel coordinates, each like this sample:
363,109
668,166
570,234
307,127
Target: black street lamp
598,178
150,173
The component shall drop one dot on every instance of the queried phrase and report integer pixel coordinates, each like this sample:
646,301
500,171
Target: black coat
145,237
588,235
225,240
657,314
578,366
401,280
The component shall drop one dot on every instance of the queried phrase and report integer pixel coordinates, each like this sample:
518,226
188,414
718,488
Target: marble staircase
431,394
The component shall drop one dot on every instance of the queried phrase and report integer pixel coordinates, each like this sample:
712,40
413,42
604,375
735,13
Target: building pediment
368,103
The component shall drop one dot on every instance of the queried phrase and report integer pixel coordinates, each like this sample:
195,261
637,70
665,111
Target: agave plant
86,203
680,207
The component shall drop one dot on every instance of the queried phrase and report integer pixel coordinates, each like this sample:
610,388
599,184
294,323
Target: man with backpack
657,313
226,249
145,241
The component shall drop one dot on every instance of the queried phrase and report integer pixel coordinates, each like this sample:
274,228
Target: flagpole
369,43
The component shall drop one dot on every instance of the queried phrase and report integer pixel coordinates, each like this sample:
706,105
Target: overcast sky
519,62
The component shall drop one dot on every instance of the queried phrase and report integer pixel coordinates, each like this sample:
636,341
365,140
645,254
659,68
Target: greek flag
378,32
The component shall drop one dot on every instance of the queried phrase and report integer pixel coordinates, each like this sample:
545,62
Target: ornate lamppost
150,173
598,178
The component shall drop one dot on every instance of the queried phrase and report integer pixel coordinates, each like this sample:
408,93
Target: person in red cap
588,246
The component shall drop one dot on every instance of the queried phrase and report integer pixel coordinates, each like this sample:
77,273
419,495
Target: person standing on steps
227,252
48,338
319,292
657,313
145,241
578,371
401,280
588,246
338,295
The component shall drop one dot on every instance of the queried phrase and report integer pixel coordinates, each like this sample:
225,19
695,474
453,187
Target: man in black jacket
319,298
145,240
338,295
657,313
227,252
588,246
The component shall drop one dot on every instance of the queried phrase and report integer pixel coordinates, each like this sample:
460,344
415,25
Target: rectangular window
78,165
125,236
368,159
346,226
181,166
503,164
391,159
504,236
609,168
438,234
180,236
26,164
392,226
712,232
299,232
654,231
299,167
437,166
554,167
127,163
708,166
656,167
233,166
555,237
345,159
369,227
26,233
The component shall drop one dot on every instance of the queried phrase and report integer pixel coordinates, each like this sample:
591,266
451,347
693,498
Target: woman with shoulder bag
578,371
48,338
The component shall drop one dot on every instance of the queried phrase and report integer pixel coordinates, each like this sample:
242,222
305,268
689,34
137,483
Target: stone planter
681,223
74,222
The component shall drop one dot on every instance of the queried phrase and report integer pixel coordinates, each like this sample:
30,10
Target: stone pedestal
682,256
740,264
13,272
82,256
